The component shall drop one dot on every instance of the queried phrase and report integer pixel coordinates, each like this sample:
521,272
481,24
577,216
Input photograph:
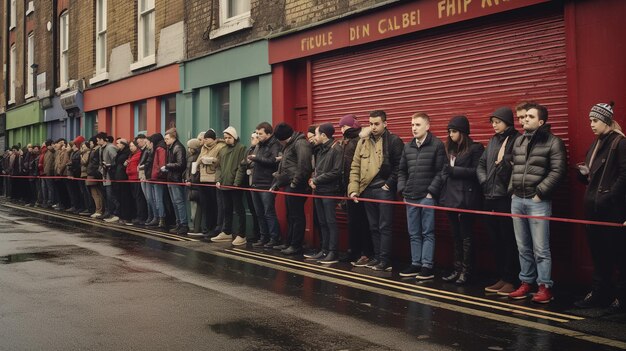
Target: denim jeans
178,194
264,206
157,199
112,205
327,215
533,240
147,193
380,218
421,226
233,204
48,191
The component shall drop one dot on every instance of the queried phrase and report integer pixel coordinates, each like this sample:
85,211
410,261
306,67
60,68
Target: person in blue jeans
422,159
539,166
175,166
374,175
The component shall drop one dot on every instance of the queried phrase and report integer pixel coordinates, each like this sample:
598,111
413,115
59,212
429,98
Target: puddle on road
25,257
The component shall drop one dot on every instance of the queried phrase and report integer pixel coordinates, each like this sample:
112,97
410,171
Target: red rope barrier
339,198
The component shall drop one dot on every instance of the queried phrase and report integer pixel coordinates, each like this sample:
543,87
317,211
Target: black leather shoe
291,251
452,277
315,256
329,258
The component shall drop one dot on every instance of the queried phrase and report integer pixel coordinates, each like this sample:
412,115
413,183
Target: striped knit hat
603,112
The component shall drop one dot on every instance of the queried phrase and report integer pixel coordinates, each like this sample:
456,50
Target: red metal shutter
469,69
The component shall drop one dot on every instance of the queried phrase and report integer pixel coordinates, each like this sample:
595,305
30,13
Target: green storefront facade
25,125
231,87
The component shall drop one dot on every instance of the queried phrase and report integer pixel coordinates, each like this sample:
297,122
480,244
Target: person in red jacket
132,171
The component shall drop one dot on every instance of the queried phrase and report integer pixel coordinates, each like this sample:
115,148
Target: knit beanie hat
210,134
603,112
232,131
201,136
460,123
350,121
505,114
283,131
328,129
194,144
79,141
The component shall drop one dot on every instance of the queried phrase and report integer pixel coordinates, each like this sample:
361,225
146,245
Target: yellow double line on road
421,290
100,223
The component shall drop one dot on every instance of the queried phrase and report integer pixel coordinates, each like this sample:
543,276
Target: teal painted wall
33,134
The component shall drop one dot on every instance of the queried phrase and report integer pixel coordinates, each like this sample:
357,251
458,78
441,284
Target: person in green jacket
229,159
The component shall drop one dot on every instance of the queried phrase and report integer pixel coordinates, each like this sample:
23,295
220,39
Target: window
222,99
29,63
64,27
101,36
30,8
234,16
13,19
168,112
145,39
141,117
13,67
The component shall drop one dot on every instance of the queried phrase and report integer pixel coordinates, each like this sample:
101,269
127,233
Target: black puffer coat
120,168
493,178
606,181
459,184
328,169
419,166
295,167
539,164
176,162
265,163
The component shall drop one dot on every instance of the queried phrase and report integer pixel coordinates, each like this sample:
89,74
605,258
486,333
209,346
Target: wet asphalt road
73,286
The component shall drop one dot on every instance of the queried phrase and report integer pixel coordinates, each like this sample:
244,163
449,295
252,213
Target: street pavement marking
456,308
99,223
389,284
419,287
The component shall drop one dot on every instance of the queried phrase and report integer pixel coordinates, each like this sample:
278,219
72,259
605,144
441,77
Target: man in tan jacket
207,164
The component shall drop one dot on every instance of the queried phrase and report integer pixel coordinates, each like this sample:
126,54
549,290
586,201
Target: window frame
13,15
142,16
12,72
231,24
136,113
101,36
30,60
164,111
64,35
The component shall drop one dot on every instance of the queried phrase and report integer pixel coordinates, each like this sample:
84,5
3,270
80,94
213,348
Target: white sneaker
96,215
239,240
112,219
222,237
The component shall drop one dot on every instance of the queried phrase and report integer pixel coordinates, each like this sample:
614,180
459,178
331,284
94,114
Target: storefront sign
399,20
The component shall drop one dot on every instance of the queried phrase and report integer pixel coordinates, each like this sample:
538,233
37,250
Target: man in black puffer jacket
494,173
539,166
293,173
175,167
265,162
423,157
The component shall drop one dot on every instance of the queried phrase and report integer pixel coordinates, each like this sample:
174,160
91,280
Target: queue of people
153,181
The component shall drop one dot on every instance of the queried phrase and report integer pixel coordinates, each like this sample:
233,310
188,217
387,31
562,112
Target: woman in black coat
460,189
604,173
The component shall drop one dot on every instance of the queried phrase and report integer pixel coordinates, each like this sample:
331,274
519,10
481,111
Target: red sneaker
522,292
544,295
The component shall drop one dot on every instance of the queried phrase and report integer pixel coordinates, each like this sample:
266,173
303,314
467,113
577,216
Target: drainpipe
7,35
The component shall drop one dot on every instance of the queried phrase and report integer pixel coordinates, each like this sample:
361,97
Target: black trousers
608,251
500,230
255,220
461,224
358,230
61,191
141,206
208,207
296,220
233,202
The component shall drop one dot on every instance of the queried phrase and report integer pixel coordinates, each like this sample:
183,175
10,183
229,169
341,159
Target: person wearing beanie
191,177
293,174
422,159
494,173
78,141
207,163
229,159
539,166
360,239
458,188
174,168
326,180
264,162
376,178
604,174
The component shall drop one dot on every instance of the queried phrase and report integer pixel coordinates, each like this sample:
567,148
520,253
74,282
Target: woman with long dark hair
460,189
